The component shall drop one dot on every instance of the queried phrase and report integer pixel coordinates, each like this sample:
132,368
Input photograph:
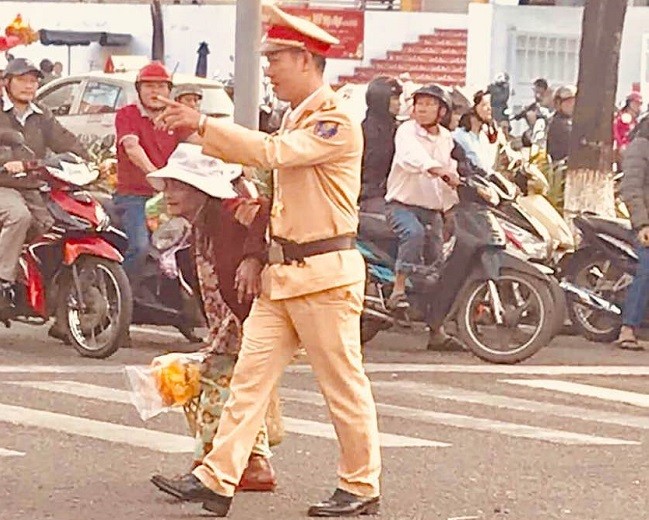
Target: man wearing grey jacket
635,192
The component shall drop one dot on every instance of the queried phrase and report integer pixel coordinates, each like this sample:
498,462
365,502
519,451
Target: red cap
154,71
287,31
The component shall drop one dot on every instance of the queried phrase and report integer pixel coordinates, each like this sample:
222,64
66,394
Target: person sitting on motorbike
141,148
624,123
418,191
383,99
635,192
20,212
560,127
229,229
190,95
467,135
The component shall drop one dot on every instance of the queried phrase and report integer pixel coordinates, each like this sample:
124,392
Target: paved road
565,435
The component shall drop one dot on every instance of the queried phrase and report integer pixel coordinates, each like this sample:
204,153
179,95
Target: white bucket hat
189,165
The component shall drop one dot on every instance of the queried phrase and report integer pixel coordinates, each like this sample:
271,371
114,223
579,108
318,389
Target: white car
86,104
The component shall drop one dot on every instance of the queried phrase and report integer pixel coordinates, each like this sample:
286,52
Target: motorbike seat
374,226
617,228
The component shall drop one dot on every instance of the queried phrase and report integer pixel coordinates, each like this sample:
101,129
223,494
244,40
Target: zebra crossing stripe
140,437
10,453
598,392
514,403
471,423
292,425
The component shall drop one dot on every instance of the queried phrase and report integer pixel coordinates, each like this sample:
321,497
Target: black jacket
635,183
379,128
559,134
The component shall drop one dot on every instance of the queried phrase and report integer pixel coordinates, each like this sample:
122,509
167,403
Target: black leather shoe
343,503
190,489
166,485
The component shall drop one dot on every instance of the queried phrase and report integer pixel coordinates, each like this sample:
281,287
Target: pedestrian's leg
269,342
328,324
15,220
133,215
411,234
635,306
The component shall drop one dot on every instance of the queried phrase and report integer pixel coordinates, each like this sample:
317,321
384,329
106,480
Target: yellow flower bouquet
170,380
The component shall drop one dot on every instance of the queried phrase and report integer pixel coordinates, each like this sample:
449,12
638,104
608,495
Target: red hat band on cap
282,32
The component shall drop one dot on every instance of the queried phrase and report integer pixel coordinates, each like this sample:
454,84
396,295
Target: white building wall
188,25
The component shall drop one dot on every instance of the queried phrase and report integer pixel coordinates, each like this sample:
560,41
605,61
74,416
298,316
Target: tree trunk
589,183
158,43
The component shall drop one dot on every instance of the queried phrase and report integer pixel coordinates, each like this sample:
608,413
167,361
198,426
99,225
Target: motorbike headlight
532,246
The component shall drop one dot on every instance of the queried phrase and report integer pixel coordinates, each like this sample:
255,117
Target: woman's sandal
629,344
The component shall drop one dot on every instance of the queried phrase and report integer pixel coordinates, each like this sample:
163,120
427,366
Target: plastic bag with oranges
170,380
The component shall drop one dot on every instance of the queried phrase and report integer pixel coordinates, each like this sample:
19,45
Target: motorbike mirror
11,138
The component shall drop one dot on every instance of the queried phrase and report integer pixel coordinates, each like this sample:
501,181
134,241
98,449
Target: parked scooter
73,272
605,264
168,293
501,306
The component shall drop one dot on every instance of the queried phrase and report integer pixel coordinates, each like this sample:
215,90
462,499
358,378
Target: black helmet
20,67
434,91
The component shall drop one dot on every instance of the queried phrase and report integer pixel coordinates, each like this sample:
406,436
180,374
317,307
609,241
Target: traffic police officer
312,291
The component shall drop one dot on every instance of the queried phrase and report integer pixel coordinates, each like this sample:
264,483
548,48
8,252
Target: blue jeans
410,224
635,306
131,209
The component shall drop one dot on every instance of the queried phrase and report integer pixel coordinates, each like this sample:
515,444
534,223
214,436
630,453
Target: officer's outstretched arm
325,138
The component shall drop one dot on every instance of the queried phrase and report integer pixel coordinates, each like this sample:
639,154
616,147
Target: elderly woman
229,228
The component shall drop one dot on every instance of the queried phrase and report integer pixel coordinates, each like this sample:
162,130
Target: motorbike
168,292
605,264
500,306
73,271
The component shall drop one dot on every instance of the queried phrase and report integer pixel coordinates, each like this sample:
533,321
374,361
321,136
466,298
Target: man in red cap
313,290
141,148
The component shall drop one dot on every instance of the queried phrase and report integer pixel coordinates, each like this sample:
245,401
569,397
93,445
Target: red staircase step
436,39
399,67
431,59
418,48
453,33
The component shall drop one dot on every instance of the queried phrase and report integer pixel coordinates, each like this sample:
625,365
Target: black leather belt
284,251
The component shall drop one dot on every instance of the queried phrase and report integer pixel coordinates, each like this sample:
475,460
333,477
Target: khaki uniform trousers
15,221
327,323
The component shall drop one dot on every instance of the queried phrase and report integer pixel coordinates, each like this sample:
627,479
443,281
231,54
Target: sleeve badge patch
326,129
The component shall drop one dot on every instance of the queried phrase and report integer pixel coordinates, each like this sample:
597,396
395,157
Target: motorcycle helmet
154,71
434,91
183,90
564,93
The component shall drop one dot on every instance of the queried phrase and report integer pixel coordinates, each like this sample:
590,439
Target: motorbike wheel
529,318
597,326
96,312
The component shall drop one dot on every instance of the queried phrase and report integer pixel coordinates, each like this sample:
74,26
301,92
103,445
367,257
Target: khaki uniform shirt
317,155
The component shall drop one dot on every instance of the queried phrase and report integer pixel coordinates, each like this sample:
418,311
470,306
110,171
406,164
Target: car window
60,99
100,98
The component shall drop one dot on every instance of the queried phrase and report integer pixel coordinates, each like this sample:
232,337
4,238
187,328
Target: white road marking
376,368
514,403
598,392
471,423
156,332
62,369
140,437
547,370
10,453
292,425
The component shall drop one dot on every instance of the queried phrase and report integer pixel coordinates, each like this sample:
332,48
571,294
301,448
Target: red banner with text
348,25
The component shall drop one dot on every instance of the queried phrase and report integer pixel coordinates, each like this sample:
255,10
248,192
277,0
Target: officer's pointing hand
176,115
